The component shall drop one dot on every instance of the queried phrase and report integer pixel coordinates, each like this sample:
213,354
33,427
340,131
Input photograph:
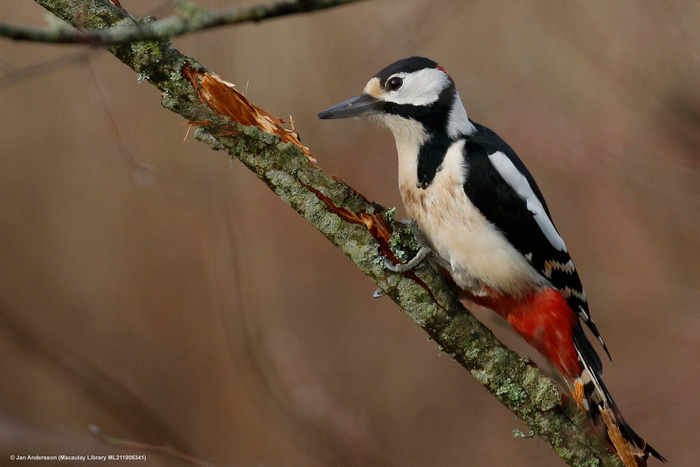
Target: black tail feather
627,432
586,350
597,396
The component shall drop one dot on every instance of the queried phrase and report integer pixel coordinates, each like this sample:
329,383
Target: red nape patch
545,320
439,67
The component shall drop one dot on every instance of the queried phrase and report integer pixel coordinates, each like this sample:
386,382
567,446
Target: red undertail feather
545,320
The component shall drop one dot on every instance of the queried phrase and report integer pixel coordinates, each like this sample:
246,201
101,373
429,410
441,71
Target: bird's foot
424,251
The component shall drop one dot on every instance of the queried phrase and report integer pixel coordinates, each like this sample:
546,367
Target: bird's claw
415,262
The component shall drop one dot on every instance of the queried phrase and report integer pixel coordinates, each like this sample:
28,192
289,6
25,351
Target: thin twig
194,20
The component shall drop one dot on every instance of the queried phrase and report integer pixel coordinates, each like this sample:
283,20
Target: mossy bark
513,380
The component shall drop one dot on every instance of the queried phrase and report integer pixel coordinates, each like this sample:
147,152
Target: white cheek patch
520,185
422,87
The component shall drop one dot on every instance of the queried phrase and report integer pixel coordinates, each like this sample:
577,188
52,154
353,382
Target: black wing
503,207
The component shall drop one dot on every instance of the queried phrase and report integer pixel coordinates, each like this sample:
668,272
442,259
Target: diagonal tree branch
357,228
193,19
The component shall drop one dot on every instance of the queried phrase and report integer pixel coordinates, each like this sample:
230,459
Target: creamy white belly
458,232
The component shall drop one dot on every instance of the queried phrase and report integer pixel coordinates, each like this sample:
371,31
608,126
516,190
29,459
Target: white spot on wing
551,265
421,87
520,185
568,292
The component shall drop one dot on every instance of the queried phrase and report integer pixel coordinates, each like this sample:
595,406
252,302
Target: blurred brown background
154,289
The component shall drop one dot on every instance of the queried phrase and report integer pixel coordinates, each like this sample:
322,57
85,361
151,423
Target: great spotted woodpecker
487,223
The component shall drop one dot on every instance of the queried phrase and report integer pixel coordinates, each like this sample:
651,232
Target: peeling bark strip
223,98
284,167
378,227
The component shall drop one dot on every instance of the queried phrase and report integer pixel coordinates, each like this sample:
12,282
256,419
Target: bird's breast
459,233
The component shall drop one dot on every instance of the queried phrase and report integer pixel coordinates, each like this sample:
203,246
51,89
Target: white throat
409,136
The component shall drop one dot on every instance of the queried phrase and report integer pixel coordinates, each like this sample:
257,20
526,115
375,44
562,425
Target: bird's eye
394,83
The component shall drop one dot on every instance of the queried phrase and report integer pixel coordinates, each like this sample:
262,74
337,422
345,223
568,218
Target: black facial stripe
444,103
420,113
434,117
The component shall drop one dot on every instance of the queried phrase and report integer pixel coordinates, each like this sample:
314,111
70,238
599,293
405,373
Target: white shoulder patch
520,185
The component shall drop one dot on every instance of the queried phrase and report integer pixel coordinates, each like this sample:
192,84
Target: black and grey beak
360,105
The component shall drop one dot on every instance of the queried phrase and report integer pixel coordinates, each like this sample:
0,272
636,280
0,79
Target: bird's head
413,93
